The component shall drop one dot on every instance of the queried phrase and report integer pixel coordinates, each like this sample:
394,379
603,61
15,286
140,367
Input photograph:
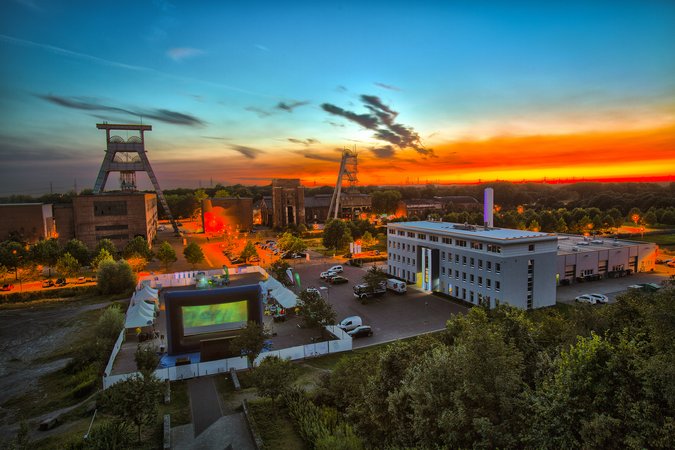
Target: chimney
488,208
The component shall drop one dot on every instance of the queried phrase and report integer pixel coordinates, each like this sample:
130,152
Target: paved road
204,403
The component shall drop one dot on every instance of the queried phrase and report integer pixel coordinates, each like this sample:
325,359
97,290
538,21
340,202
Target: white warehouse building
480,265
485,265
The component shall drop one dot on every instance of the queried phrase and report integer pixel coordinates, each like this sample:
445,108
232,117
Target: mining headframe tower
128,157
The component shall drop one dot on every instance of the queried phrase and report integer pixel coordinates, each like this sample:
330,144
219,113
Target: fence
342,344
189,278
113,355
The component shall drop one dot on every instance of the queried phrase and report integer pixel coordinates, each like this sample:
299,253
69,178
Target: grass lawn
275,425
179,408
662,240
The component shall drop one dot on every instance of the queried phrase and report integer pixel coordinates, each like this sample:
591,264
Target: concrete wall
138,217
30,221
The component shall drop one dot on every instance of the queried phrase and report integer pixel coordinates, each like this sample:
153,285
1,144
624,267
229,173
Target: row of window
474,297
457,242
472,262
407,275
473,278
399,258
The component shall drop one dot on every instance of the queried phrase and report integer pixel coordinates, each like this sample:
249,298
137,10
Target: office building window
464,260
472,262
498,267
530,248
471,279
447,241
443,256
480,281
480,264
488,283
498,286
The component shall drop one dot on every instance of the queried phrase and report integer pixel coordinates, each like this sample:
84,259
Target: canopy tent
142,297
139,315
146,293
281,294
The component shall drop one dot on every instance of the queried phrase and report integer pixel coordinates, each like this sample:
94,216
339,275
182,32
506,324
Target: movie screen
201,319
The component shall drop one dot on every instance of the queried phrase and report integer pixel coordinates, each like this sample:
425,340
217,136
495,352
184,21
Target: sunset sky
241,92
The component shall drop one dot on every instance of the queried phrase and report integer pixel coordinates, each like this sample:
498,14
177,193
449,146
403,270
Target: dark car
47,283
361,331
61,282
338,280
7,287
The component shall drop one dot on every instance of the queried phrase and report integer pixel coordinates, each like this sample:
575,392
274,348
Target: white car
586,298
350,323
600,298
336,269
313,290
328,274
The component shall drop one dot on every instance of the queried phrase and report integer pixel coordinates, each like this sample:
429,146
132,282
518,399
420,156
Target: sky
425,92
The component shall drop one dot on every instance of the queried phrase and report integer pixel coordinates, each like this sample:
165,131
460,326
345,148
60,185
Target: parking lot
391,316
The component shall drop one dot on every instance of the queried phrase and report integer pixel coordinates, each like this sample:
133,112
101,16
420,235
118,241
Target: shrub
115,277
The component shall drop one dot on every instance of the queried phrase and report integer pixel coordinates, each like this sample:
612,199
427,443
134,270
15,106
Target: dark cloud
383,152
387,86
305,142
88,104
365,120
248,152
259,111
318,156
289,107
382,120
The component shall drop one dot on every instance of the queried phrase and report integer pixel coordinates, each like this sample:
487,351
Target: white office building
480,265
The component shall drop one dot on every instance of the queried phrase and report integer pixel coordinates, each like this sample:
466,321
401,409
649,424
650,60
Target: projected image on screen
200,319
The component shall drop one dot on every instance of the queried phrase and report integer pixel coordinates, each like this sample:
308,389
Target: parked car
337,279
61,282
586,298
351,322
336,269
361,331
328,274
600,298
7,287
313,291
47,283
81,280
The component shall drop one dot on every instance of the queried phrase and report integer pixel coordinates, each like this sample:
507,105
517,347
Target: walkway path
205,404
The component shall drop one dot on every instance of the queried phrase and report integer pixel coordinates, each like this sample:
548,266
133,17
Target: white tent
139,314
281,294
146,294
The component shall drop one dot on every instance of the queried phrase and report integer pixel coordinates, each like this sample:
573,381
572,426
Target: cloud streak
309,154
248,152
289,107
382,120
305,142
387,86
181,53
88,104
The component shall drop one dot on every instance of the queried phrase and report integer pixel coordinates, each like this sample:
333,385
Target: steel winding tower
127,158
348,172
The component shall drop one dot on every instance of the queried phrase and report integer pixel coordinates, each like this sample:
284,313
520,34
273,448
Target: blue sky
214,78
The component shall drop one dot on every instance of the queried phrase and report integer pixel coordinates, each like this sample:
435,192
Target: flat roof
572,243
456,229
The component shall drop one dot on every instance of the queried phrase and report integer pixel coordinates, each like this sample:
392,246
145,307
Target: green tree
115,277
248,252
138,246
289,243
46,252
137,262
249,342
78,250
278,271
110,323
103,255
13,255
67,265
106,244
561,226
166,255
374,277
134,401
385,202
534,226
336,234
314,310
221,193
146,359
193,254
650,218
274,376
367,240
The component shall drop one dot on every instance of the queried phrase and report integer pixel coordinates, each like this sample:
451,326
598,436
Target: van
336,269
397,286
351,322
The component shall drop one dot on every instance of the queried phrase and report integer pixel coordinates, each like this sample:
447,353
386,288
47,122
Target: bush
320,427
115,277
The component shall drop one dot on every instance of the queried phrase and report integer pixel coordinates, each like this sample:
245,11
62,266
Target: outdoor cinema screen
199,319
